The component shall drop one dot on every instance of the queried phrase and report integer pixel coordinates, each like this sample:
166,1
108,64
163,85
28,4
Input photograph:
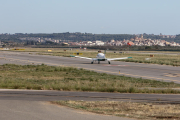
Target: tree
148,47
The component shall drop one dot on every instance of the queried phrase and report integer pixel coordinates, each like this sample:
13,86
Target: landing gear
109,62
92,62
98,62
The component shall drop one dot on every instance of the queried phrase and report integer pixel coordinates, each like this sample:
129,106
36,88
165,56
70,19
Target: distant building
142,37
112,41
130,43
99,43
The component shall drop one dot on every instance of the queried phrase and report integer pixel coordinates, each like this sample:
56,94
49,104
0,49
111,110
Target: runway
138,70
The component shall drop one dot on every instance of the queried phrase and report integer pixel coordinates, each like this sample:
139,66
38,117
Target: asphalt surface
51,95
30,110
138,70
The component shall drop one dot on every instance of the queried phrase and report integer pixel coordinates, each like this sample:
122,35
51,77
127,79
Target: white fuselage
100,56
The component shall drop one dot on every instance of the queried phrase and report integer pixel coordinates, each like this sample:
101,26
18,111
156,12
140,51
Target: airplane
101,57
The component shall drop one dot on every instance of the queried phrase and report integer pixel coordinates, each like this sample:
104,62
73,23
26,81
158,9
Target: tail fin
104,53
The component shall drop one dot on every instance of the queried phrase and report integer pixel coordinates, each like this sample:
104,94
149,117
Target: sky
90,16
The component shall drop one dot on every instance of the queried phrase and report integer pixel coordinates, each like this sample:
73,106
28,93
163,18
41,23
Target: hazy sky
91,16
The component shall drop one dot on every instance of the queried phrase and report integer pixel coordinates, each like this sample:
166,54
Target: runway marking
177,74
115,65
172,74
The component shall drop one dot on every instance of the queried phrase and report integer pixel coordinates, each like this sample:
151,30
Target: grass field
44,77
143,111
162,59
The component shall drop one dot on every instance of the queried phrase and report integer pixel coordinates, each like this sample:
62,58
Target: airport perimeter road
147,71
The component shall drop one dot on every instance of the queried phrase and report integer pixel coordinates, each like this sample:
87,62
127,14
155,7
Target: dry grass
127,109
73,79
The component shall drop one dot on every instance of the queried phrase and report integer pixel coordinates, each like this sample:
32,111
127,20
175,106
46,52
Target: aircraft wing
84,57
109,59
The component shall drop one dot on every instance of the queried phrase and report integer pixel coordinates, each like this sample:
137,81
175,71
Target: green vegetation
83,36
177,39
44,77
143,111
73,36
138,48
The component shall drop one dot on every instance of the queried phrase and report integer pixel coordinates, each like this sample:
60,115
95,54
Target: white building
99,43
